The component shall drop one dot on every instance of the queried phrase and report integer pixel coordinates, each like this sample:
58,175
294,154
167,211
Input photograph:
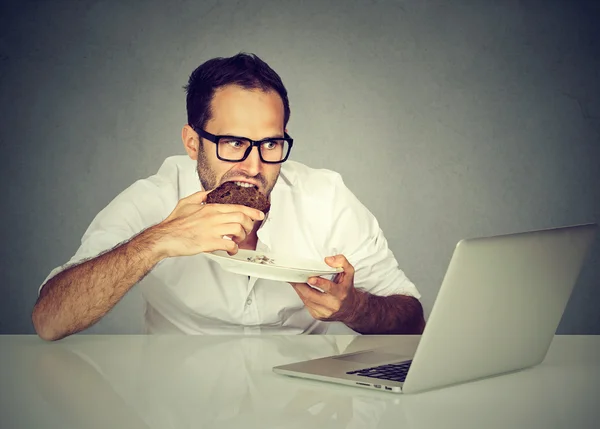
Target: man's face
244,113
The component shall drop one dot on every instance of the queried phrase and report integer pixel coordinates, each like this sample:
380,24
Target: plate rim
331,270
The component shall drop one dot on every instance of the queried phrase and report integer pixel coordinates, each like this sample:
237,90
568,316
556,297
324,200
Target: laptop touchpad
369,357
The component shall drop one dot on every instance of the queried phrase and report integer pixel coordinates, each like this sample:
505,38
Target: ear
191,141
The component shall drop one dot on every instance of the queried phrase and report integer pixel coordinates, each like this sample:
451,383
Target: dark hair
245,70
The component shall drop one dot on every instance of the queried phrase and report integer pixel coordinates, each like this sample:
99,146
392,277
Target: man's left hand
339,299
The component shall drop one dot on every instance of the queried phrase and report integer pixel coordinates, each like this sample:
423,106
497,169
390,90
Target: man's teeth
244,184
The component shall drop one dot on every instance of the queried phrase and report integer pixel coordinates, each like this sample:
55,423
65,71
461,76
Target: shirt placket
251,314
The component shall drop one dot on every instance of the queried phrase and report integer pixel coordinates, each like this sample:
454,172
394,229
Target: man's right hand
194,227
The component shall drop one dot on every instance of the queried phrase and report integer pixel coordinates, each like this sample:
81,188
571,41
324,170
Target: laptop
497,311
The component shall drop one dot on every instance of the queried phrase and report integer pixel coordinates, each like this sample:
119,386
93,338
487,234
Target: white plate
270,266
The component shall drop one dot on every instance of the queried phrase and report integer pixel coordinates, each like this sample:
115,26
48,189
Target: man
155,232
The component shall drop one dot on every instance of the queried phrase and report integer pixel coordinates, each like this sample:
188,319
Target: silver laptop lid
499,305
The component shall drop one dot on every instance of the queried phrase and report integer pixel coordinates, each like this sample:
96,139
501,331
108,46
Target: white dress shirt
313,215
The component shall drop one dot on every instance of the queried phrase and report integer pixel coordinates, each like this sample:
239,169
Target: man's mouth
246,184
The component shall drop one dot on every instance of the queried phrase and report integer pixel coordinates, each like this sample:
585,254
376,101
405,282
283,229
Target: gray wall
447,120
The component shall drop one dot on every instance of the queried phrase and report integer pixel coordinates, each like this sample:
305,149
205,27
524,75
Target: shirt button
249,301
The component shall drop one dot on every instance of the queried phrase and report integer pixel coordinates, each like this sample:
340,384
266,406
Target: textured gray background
447,121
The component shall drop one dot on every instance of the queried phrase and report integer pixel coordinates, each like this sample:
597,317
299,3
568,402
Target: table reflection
227,382
174,381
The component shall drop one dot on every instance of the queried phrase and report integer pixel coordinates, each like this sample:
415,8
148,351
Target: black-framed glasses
273,150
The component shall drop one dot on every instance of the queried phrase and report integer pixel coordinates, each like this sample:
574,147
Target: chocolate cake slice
230,193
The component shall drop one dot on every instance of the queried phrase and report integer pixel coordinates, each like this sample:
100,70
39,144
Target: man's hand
194,227
363,312
339,299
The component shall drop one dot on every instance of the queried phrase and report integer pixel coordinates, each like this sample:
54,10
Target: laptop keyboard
392,371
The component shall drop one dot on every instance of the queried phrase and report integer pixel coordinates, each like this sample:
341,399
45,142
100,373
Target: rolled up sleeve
356,234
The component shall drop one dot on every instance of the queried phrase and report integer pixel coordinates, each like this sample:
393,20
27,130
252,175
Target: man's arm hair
79,296
394,314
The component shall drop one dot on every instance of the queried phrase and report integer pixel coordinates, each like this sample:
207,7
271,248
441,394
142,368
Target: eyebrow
278,136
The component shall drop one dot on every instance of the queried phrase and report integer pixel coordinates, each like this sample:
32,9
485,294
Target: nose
252,165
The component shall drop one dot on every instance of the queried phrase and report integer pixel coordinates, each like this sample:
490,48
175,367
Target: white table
227,382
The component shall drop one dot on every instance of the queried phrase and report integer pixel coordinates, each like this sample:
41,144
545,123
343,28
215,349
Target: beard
208,176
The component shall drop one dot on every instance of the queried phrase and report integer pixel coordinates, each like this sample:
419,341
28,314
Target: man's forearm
78,297
395,314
